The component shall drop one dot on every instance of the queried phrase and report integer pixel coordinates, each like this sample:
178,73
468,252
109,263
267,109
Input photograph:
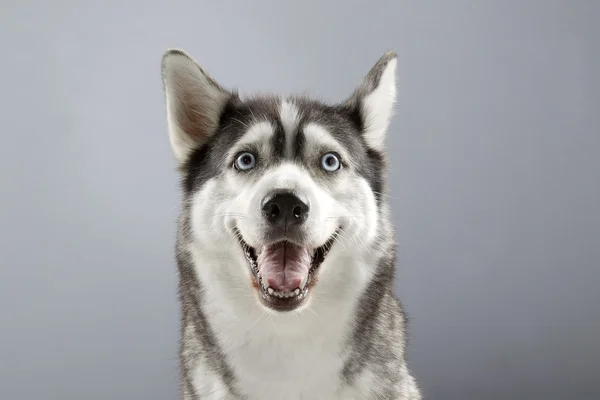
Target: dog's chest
292,369
285,360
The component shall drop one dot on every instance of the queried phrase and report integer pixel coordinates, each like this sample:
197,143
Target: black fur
378,313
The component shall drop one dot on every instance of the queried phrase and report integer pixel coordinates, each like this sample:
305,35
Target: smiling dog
285,249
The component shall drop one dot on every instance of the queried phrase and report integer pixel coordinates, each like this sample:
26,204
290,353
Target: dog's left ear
374,100
195,102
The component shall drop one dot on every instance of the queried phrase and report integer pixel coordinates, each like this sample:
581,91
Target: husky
285,247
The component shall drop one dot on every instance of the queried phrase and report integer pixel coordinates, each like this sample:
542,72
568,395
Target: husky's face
279,193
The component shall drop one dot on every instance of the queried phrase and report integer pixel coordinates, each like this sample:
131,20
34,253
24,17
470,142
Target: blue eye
245,161
330,162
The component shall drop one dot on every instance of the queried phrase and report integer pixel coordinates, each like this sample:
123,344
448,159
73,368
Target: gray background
495,183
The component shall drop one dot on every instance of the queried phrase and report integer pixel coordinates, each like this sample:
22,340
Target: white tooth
270,290
304,280
264,283
297,291
287,294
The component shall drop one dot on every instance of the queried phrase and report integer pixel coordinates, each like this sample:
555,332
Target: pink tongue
283,265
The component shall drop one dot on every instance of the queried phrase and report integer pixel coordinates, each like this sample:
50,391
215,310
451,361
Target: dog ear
194,100
374,100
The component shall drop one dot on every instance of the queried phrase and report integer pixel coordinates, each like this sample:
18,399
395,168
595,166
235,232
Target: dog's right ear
194,100
374,100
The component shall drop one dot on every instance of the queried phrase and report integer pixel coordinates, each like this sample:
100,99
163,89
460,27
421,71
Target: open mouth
285,271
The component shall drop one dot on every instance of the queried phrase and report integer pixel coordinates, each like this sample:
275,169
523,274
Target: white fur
206,382
258,135
319,140
378,107
288,113
298,354
321,223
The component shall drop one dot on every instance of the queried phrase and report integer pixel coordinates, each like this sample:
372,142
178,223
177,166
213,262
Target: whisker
228,215
244,124
262,314
387,195
204,394
341,239
225,253
312,311
273,324
367,247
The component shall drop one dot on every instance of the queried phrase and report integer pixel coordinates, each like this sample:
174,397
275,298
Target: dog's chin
293,295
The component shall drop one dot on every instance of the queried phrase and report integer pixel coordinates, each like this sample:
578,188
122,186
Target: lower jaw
283,302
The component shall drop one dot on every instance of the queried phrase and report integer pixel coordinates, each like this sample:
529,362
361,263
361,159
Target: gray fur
376,340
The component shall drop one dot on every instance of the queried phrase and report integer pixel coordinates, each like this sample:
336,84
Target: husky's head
283,197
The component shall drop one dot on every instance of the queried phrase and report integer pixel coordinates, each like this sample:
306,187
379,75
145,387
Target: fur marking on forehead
290,119
258,136
318,138
258,132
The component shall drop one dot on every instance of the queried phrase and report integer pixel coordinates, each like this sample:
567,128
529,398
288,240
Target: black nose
285,208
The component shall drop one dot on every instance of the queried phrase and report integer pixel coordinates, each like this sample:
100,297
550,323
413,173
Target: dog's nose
284,208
